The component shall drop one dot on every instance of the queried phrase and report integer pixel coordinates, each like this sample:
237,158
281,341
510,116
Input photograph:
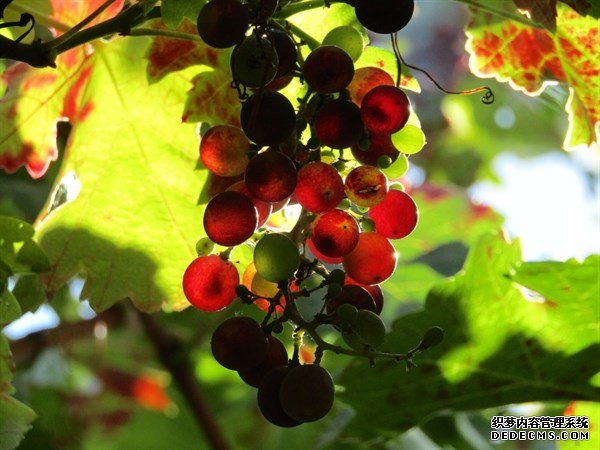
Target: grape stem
306,38
292,313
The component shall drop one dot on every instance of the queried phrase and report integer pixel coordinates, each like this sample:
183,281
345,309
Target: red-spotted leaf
541,11
212,98
71,12
35,99
171,55
531,58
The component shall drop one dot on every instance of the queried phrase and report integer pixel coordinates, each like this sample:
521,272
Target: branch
170,352
40,54
27,349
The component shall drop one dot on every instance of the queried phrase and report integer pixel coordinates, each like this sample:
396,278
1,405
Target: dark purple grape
271,176
384,16
239,343
268,118
286,52
307,393
328,69
269,398
338,124
230,218
223,23
380,145
352,295
276,356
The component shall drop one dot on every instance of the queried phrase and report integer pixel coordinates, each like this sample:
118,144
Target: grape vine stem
170,352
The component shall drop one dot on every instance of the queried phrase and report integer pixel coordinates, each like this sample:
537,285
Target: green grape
276,257
337,276
384,162
397,186
344,204
254,62
334,289
367,224
398,168
205,247
348,39
369,327
409,140
432,337
352,340
346,314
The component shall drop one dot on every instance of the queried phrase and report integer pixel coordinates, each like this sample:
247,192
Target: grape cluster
288,155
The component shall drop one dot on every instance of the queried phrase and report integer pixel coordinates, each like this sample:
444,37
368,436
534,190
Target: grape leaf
530,58
499,349
19,252
16,417
37,98
172,55
133,226
540,11
557,281
9,308
175,11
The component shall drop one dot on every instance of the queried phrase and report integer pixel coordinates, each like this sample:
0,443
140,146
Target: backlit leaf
530,58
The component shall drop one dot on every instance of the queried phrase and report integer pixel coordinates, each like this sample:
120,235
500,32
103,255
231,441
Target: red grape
384,16
230,218
320,187
365,79
338,124
263,208
224,150
380,145
209,283
286,51
223,23
374,290
320,256
268,118
372,261
366,186
271,176
334,233
395,217
328,69
385,109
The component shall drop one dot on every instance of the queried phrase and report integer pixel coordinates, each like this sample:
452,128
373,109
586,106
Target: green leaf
7,367
558,281
65,305
386,60
16,421
500,348
17,248
133,226
174,11
9,308
29,292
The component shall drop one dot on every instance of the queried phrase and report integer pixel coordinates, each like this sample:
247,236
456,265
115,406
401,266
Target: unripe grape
348,39
276,257
369,327
432,337
204,247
